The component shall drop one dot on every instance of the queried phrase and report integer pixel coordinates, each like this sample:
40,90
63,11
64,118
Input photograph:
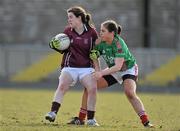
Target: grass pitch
24,110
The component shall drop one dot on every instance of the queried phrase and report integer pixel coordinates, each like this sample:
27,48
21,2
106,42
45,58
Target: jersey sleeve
67,31
94,36
120,51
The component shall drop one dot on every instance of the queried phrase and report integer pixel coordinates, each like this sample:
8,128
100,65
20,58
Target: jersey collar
85,30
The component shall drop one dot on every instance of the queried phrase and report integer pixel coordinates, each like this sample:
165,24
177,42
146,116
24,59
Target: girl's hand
97,75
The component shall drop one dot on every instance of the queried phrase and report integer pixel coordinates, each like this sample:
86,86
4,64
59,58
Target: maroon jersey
77,54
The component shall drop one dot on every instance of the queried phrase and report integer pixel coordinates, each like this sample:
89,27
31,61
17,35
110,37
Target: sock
144,117
55,107
144,120
90,114
82,114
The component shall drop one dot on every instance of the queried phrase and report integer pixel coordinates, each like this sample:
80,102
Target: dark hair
112,26
79,11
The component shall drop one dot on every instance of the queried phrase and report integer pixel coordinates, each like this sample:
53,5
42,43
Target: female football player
76,64
121,64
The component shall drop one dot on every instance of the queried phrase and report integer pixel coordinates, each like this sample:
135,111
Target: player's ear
80,18
111,34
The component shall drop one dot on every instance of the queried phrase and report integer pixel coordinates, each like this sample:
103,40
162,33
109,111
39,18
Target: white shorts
77,73
132,71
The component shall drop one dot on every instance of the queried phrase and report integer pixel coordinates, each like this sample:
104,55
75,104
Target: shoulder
93,32
91,29
120,40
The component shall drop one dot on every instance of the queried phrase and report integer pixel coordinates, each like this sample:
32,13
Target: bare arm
113,69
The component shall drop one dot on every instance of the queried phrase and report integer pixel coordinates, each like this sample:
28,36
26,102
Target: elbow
119,67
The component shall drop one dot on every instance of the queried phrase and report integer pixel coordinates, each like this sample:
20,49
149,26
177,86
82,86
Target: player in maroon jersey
76,64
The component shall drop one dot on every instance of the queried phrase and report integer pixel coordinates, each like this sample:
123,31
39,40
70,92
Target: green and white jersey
118,49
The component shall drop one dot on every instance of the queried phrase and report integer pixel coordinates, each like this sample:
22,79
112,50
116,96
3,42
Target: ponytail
88,17
119,29
88,20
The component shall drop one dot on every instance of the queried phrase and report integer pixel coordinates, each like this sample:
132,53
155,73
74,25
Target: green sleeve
120,50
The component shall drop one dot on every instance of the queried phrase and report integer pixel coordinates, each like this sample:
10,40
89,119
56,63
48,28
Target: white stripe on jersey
66,62
91,44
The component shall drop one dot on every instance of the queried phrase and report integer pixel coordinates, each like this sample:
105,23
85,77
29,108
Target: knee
130,94
92,90
62,87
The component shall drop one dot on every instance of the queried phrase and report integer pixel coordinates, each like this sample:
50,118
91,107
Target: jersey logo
85,41
78,38
119,50
118,45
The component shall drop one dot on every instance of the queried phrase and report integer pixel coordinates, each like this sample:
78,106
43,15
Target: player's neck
109,40
80,28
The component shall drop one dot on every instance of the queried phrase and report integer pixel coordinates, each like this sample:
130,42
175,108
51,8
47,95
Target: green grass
24,110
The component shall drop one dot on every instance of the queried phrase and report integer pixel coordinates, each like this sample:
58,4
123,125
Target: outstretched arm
113,69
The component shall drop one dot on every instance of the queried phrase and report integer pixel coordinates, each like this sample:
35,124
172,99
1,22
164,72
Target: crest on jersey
85,41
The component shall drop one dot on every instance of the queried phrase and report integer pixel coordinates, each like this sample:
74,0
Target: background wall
36,21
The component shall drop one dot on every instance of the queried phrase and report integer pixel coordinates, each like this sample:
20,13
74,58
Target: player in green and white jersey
117,49
121,65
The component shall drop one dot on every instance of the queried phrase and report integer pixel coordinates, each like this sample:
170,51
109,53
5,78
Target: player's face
105,34
73,21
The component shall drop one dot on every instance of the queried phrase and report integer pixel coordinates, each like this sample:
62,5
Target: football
63,41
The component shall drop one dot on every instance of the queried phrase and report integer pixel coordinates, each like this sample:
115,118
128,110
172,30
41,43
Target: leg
130,91
102,83
64,82
91,85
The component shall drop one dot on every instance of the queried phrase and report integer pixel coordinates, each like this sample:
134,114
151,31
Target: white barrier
17,57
